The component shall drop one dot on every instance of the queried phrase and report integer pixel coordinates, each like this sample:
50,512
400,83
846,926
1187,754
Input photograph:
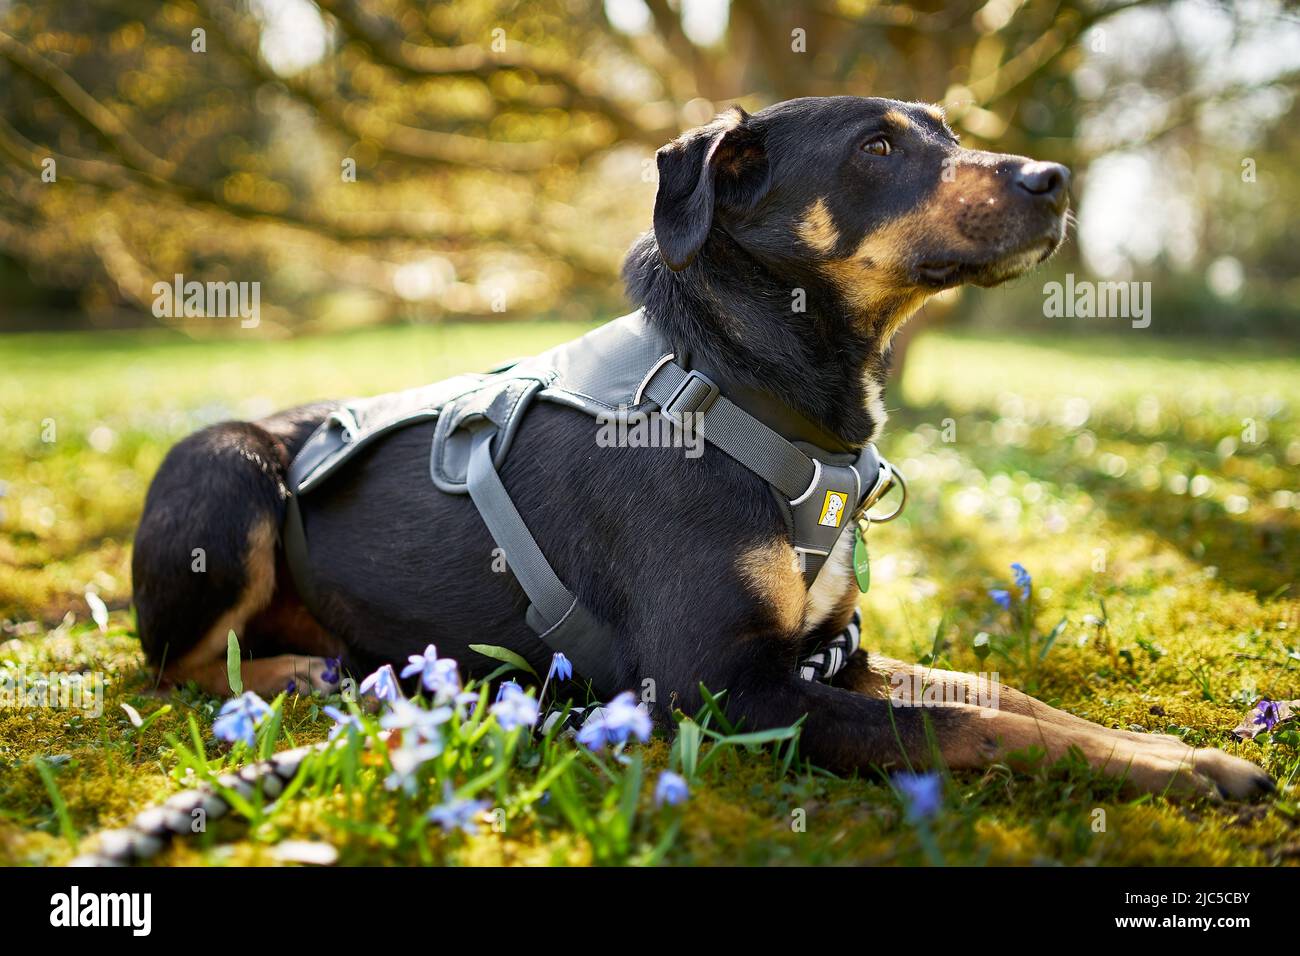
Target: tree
387,157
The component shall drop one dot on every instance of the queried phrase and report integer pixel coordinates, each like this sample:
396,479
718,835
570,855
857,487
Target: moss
1199,621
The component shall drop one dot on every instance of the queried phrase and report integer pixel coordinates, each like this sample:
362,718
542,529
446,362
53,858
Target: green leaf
753,738
56,800
164,709
763,736
1051,638
270,729
543,782
200,752
233,674
506,656
713,707
937,647
657,853
631,791
688,747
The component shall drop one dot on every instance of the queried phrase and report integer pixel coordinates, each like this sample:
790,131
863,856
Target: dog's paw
1232,777
303,675
1235,778
1170,776
1205,772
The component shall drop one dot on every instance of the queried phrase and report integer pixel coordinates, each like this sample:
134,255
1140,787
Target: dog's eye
877,146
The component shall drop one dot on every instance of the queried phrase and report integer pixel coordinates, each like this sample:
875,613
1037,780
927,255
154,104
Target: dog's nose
1049,180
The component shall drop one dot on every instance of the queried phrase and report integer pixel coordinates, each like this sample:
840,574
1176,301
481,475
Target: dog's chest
835,578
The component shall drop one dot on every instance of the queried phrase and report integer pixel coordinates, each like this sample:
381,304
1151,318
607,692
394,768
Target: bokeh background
502,149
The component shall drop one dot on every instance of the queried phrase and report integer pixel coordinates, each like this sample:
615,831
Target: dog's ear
722,166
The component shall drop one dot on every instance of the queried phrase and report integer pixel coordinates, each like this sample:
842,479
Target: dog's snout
1049,180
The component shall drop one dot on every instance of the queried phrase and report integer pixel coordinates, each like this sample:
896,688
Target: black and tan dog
865,207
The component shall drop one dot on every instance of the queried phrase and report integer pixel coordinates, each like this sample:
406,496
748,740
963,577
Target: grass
1148,485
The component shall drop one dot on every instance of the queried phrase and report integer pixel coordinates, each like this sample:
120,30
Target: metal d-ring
895,477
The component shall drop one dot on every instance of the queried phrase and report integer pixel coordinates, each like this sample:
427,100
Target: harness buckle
347,424
887,478
695,394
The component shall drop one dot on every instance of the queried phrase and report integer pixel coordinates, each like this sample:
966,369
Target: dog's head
873,197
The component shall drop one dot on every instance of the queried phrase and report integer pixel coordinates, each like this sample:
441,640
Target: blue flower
239,718
420,740
457,814
423,722
1268,715
1001,598
671,789
407,759
561,667
465,699
1024,580
333,670
593,734
342,721
615,721
382,684
922,794
514,708
438,674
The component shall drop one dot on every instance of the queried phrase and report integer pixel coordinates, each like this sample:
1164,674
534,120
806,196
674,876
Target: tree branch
103,120
241,40
357,227
1071,24
420,61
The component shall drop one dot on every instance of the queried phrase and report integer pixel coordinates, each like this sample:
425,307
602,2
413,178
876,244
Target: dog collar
820,493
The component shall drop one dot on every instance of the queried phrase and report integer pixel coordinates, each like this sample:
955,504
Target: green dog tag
861,561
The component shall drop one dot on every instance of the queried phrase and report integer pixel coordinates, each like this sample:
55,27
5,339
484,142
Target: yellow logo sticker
833,509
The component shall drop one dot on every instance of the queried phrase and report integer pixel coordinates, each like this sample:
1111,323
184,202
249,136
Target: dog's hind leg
205,564
252,619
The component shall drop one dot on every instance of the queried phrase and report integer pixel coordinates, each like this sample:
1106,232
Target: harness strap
818,498
294,537
551,600
554,613
337,431
734,431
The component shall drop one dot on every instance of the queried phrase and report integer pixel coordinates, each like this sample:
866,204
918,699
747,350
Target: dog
859,209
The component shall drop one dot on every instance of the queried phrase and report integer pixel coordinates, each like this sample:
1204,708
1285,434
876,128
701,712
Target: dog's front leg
911,688
878,676
750,648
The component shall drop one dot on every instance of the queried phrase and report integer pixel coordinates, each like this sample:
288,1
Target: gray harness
623,373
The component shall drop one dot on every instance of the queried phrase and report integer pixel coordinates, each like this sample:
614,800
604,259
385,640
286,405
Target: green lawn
1149,483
